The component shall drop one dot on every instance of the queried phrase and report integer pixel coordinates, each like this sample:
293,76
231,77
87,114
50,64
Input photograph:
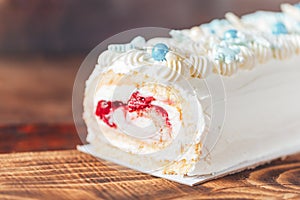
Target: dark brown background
72,26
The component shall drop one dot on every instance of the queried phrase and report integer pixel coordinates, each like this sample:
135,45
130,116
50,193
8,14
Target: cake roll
203,103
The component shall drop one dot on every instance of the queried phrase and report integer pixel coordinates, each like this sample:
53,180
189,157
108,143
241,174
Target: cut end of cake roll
141,104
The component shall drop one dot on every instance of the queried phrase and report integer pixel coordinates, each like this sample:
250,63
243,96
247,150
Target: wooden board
70,174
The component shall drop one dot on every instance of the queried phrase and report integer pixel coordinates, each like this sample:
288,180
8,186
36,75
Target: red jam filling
136,103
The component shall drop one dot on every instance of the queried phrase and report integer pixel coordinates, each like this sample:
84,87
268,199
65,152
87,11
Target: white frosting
226,69
260,74
135,58
283,48
176,71
234,20
262,113
195,33
200,66
107,58
262,53
295,41
248,58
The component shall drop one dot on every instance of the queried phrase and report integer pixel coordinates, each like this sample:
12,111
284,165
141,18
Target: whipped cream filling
155,126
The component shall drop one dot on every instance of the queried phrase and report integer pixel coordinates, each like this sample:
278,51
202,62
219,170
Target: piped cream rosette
148,114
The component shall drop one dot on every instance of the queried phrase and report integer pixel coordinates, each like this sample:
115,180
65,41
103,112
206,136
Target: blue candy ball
279,28
159,52
230,34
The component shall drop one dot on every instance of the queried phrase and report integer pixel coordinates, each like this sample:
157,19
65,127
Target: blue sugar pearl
159,52
279,28
230,34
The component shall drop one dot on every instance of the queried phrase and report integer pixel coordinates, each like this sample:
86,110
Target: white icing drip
107,58
225,69
248,58
200,66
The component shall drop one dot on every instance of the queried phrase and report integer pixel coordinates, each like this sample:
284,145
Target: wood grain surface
70,174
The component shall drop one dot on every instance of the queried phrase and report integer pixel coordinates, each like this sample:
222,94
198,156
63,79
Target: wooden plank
70,174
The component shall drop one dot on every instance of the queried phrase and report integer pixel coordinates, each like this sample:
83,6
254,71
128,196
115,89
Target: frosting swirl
282,47
221,46
107,58
248,58
199,66
176,70
261,52
135,57
226,69
295,41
